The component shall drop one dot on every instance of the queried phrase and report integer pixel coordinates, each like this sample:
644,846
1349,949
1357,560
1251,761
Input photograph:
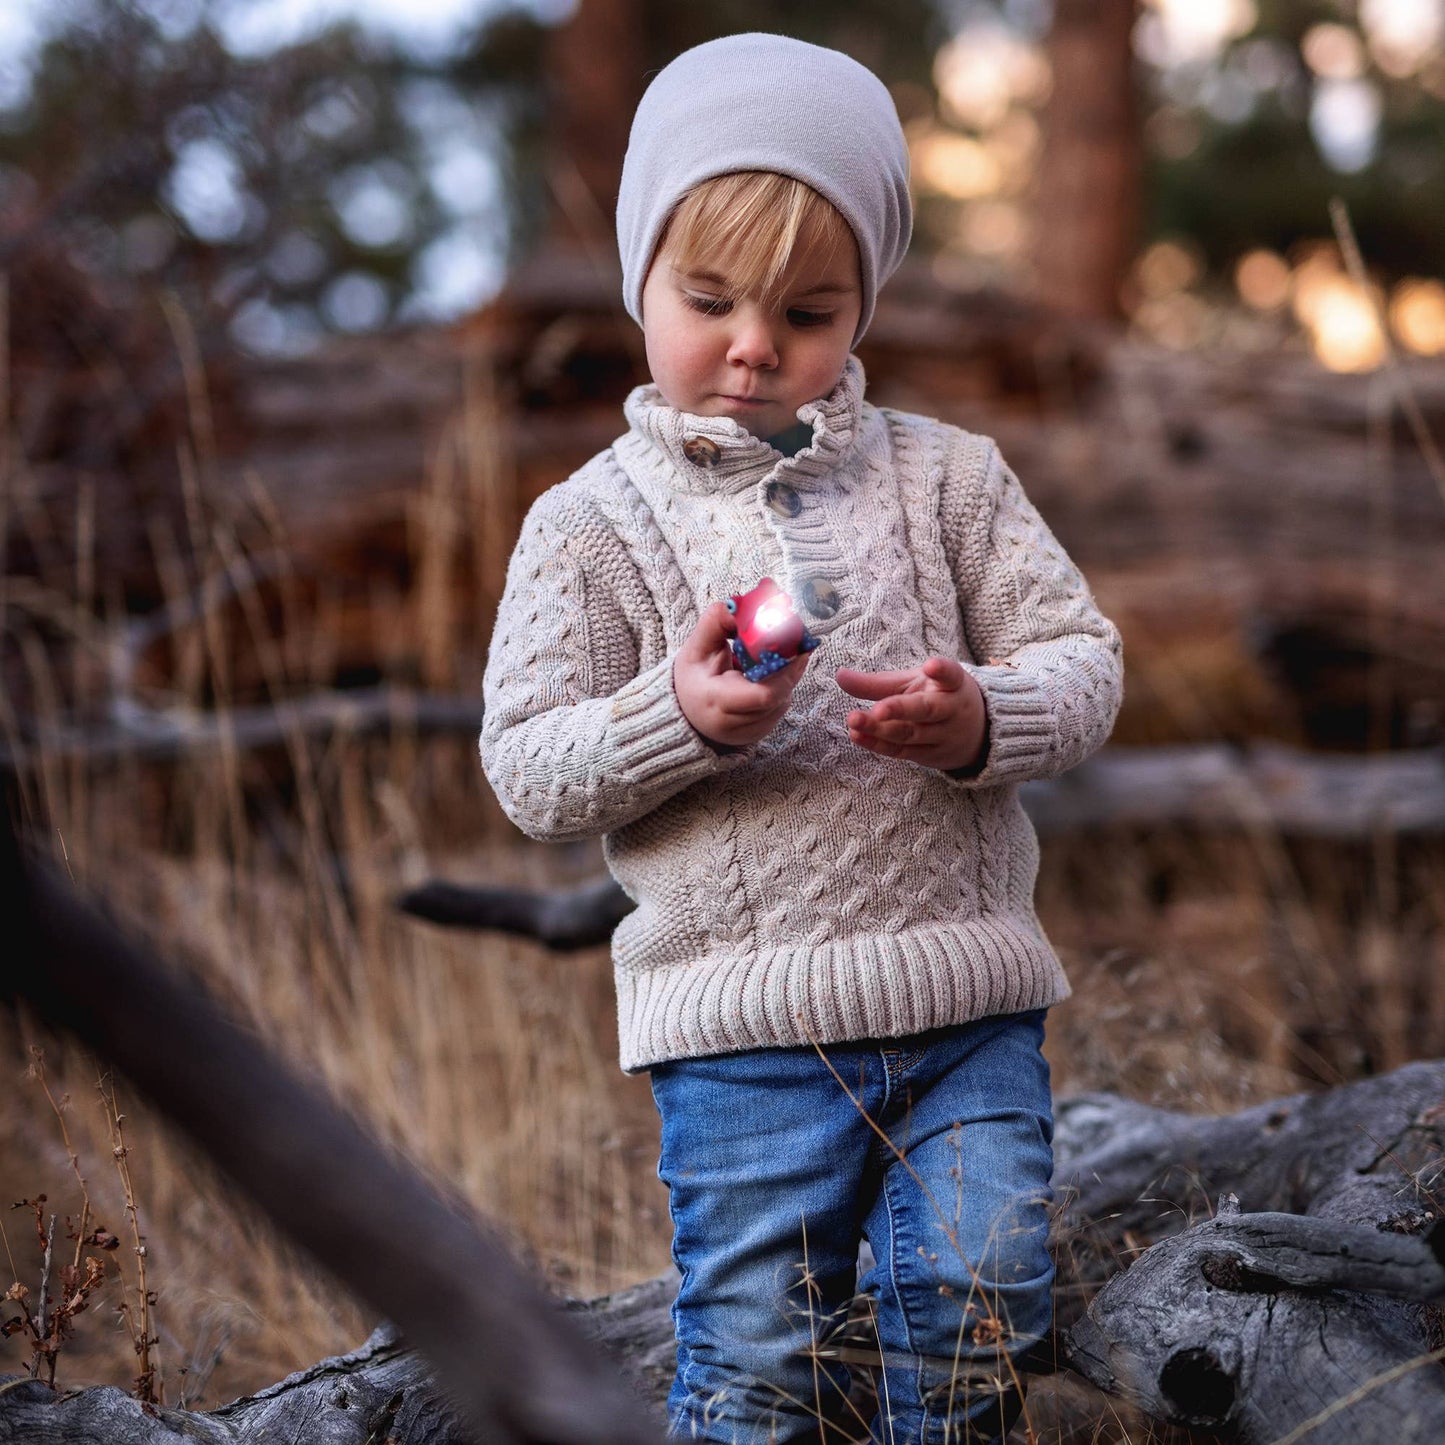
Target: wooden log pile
1266,533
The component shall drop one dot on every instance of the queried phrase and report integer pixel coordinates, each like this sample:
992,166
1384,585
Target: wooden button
820,598
783,499
702,452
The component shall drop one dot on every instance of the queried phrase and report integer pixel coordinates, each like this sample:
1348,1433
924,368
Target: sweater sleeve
579,738
1049,663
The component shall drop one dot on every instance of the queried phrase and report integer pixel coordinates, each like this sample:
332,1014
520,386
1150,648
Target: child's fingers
712,632
774,691
917,707
944,672
873,686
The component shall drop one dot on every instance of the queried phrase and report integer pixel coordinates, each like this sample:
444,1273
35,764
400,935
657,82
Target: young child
834,971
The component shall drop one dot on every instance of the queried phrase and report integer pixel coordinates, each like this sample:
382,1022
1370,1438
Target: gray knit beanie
767,103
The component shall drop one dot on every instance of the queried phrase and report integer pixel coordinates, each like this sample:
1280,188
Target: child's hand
720,703
932,714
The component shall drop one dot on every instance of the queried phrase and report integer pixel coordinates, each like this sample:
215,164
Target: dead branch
152,735
562,919
516,1366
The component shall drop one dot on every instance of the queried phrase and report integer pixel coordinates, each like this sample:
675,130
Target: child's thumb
713,629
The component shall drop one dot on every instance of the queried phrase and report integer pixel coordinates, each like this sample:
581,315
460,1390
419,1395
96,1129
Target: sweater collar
716,454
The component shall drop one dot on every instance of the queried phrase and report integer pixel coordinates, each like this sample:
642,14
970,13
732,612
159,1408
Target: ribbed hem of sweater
876,987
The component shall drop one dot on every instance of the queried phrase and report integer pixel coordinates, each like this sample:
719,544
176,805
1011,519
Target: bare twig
37,1068
147,1380
40,1312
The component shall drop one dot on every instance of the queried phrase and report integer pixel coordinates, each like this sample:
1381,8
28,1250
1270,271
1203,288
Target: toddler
834,971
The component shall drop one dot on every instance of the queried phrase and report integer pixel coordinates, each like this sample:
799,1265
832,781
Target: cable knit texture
801,890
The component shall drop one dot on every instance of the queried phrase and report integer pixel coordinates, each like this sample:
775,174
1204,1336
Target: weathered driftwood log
521,1372
170,735
1337,796
1251,513
1322,1309
1270,1324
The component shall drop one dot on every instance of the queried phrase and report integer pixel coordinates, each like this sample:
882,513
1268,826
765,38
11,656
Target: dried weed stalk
48,1321
147,1385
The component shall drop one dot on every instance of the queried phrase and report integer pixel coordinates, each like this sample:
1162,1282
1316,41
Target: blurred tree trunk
596,68
1087,192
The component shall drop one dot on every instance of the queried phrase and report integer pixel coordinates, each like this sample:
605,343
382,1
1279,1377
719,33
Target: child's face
753,360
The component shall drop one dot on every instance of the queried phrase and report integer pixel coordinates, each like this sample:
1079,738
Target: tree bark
1087,190
596,72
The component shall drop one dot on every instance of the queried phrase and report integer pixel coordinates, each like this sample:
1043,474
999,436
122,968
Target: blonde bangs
747,225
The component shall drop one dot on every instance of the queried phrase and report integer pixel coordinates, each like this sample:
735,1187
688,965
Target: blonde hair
748,223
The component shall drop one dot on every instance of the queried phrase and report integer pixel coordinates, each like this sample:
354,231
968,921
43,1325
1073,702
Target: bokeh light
1342,320
1167,267
1417,316
954,165
1403,35
983,71
1333,52
1262,278
1183,32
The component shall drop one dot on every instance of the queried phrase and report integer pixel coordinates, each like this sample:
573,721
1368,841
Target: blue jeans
941,1159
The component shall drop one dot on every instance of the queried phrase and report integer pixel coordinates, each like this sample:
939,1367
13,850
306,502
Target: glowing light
1014,145
983,70
1178,321
773,616
1345,122
1181,32
1403,34
1341,319
955,166
1262,279
993,228
1417,316
1333,52
1167,267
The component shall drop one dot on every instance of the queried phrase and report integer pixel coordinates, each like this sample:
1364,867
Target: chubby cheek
680,366
824,362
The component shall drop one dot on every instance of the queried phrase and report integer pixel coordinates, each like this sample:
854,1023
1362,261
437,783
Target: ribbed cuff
1021,729
655,741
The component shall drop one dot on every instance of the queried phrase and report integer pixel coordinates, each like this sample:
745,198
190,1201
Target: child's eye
798,317
708,305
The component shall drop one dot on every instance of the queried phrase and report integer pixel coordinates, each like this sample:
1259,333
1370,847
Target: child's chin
759,421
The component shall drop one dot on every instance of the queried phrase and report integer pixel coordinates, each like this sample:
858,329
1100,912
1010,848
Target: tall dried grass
1208,973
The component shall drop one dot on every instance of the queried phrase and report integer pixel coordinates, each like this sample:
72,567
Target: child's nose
753,343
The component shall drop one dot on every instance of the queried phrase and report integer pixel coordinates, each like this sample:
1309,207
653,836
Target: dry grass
1208,974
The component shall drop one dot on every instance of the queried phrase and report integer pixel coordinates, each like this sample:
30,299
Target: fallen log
1276,791
1273,1327
1318,1314
155,735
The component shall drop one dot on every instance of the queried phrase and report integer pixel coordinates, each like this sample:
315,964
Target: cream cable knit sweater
802,889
